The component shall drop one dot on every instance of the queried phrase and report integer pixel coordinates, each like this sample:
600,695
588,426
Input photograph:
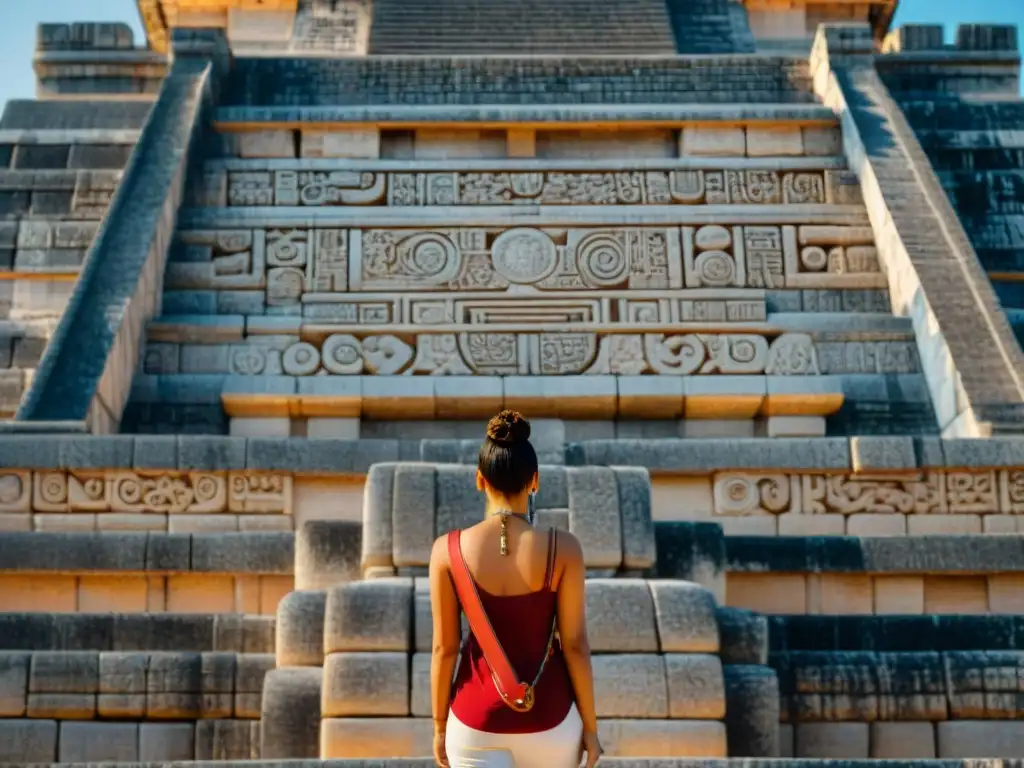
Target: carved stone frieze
990,492
143,491
292,262
774,257
545,259
552,354
300,187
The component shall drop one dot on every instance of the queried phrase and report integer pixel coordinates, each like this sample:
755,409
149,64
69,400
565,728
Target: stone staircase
493,27
967,116
59,167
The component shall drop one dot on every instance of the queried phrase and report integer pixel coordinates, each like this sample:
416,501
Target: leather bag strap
508,683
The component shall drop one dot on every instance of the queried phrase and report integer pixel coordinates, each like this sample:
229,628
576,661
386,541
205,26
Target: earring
529,507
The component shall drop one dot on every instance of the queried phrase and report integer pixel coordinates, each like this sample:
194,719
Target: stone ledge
981,554
136,632
611,762
233,118
894,634
871,455
115,552
821,686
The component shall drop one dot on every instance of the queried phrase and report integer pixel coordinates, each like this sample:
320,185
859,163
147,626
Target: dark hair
507,460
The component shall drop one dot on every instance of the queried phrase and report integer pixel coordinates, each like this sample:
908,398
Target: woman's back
530,701
519,596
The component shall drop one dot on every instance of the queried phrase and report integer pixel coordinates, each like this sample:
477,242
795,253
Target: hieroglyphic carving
831,257
237,258
125,491
301,187
983,492
765,263
468,259
552,354
713,256
259,493
1011,490
15,491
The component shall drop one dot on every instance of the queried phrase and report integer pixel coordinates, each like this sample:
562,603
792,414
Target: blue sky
19,19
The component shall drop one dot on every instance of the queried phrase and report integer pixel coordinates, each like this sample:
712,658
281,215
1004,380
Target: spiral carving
301,359
813,258
206,488
678,355
53,487
736,496
716,268
428,257
602,260
342,354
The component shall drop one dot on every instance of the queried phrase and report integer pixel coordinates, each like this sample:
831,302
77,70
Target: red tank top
522,624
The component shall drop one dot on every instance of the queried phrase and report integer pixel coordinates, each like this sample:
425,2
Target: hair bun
508,428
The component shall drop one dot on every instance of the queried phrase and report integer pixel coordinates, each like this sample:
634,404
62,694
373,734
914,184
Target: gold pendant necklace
504,530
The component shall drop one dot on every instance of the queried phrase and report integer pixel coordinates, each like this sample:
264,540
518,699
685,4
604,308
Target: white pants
558,747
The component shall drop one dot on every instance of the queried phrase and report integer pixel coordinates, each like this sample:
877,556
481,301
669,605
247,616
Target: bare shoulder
569,547
439,552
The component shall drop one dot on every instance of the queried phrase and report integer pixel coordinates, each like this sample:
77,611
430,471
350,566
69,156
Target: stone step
815,740
123,632
447,26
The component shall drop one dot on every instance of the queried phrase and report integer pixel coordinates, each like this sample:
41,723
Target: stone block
839,593
300,629
620,616
784,593
822,141
38,593
370,737
468,397
635,511
28,741
164,742
98,742
64,672
743,637
594,516
227,740
752,711
327,553
902,741
114,594
14,669
1006,593
832,740
369,616
696,687
798,524
979,738
939,525
774,142
898,595
795,426
692,552
123,673
686,619
630,685
662,738
365,684
870,524
290,713
200,593
459,504
700,141
413,514
358,143
269,144
419,696
955,595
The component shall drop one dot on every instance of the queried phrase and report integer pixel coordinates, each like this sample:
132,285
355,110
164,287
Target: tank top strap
549,573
